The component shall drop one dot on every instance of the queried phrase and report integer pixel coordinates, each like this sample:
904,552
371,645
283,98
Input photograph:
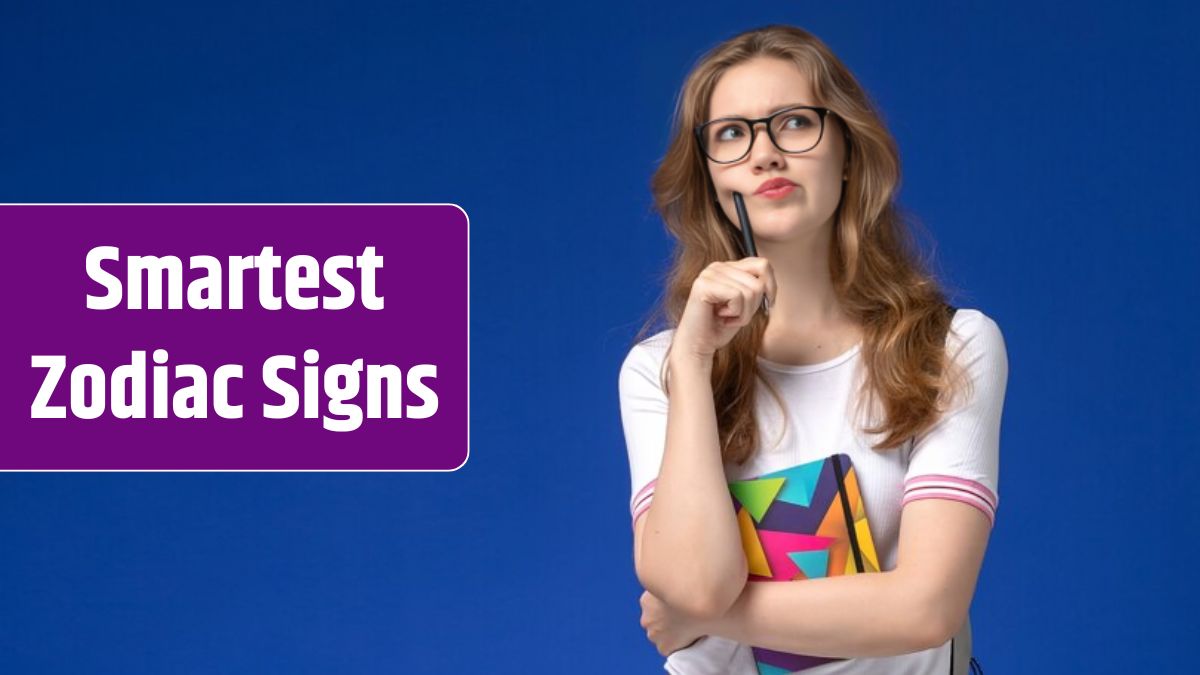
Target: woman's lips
776,193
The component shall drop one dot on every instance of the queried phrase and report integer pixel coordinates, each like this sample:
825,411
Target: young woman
859,353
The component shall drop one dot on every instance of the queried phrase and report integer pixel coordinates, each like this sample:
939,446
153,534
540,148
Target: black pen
748,237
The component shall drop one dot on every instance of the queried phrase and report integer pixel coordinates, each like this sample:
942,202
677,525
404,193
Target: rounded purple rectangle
415,335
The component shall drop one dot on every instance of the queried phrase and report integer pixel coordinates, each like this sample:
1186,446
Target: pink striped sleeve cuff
939,486
641,501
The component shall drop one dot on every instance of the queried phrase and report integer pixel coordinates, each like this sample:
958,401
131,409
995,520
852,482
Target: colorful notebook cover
794,526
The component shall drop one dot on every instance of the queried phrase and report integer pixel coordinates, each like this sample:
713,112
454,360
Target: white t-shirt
956,459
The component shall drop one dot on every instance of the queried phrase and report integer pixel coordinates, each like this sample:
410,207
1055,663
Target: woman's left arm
919,605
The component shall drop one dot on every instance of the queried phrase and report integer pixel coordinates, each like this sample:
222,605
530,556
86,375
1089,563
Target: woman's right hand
724,298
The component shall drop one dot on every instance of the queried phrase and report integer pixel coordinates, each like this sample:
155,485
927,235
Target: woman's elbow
705,605
722,591
699,595
925,635
940,620
730,589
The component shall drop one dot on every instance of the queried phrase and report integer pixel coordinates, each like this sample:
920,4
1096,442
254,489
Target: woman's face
758,88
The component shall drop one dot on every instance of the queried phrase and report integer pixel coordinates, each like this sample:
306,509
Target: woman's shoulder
645,358
970,324
976,341
653,347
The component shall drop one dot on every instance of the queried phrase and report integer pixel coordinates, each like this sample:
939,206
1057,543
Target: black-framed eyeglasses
728,139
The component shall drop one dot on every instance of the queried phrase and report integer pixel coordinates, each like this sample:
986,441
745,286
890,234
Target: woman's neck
807,324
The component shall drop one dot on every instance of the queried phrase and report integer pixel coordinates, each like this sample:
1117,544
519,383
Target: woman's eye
795,122
728,133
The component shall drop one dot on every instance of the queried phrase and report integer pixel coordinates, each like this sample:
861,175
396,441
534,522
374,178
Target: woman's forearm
692,547
875,614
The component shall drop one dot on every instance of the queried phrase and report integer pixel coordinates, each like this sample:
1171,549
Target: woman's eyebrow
782,107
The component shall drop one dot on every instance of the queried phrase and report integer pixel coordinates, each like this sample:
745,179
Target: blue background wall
1050,151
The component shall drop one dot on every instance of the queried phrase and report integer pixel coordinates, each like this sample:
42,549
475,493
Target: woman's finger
719,290
753,288
758,266
745,279
734,302
758,275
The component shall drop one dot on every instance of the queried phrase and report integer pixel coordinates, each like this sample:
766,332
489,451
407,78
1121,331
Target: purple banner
240,337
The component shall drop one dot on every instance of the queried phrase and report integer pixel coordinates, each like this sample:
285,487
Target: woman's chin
784,229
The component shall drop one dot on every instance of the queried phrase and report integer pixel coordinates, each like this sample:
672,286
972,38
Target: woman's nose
764,153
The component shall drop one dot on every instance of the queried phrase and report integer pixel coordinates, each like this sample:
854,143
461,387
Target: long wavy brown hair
878,273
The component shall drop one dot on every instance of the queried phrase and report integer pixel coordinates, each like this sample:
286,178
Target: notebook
803,522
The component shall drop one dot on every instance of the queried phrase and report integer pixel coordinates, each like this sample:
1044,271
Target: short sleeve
959,457
644,417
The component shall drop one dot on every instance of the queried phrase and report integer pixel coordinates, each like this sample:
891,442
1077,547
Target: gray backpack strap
960,651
